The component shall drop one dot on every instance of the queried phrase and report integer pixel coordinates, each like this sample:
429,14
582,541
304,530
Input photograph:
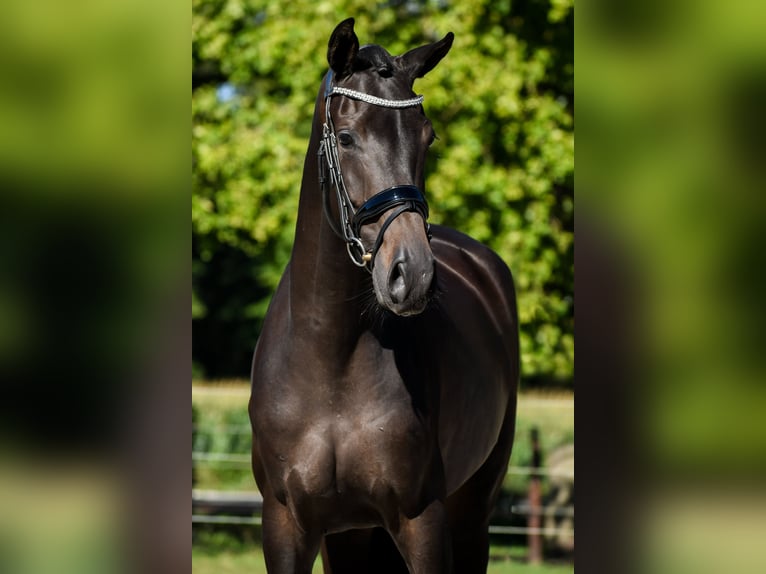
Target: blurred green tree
502,169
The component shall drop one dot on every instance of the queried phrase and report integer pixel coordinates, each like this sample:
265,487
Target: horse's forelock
372,56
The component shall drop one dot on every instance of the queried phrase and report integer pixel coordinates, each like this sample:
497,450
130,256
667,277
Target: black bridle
402,197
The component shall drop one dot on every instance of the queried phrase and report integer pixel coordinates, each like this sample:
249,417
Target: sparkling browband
375,100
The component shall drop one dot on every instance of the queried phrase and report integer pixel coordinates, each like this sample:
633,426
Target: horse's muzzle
403,274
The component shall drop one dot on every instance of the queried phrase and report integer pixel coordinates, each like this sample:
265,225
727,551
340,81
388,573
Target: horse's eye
431,137
345,139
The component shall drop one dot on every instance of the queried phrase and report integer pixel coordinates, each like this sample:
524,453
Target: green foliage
219,428
502,169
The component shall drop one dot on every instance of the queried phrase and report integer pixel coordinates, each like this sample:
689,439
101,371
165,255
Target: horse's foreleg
424,541
470,507
288,549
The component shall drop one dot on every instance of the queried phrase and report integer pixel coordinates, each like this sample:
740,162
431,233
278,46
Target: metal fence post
534,523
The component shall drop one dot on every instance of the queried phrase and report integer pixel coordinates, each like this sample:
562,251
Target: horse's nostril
397,284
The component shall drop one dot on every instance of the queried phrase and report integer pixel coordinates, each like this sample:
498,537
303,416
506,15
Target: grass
239,558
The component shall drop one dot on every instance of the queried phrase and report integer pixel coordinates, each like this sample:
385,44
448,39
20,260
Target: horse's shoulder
469,258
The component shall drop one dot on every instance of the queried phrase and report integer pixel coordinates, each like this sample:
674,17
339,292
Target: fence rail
249,506
244,460
493,528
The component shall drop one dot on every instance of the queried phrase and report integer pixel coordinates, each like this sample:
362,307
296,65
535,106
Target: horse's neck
326,289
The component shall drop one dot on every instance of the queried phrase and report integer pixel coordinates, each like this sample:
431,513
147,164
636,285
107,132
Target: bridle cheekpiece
402,197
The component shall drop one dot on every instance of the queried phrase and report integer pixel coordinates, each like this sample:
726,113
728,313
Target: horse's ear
418,62
342,48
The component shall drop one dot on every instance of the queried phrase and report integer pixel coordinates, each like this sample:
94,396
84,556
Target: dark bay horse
384,381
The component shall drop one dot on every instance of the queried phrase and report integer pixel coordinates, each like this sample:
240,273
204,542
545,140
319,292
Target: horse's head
377,134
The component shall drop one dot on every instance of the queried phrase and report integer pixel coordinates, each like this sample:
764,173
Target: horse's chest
356,463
